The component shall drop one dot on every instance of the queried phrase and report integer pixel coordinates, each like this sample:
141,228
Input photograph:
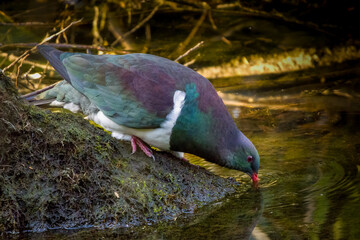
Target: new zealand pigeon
149,99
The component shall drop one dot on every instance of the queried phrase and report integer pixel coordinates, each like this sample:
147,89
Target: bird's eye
250,159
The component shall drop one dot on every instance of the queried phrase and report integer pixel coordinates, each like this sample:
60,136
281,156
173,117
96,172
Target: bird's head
245,158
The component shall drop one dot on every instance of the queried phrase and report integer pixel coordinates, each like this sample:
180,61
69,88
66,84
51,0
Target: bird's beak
255,179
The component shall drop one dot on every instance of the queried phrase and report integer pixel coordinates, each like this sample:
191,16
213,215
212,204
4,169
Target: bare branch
136,27
117,32
64,45
4,60
191,35
148,38
18,69
12,57
60,32
212,22
42,42
190,50
24,24
97,39
245,11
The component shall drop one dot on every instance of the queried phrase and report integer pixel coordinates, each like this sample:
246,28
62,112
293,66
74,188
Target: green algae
59,171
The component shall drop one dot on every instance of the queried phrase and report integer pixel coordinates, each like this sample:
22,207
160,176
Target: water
310,168
309,177
317,185
305,125
309,171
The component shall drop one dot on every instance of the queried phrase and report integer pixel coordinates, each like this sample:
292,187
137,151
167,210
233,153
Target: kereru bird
146,98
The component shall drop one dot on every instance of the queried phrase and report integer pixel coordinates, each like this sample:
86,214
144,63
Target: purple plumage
159,101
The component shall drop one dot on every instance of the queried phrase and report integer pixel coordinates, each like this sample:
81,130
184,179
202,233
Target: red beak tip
255,178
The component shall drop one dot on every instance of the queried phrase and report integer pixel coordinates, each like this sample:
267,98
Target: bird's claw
135,141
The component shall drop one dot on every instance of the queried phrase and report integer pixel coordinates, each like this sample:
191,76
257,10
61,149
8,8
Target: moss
59,171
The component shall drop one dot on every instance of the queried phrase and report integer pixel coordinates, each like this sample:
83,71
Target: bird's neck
205,136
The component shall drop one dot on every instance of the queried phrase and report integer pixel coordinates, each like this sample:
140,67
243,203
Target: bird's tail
32,97
54,56
55,59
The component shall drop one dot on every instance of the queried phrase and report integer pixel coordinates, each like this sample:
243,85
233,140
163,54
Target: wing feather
126,97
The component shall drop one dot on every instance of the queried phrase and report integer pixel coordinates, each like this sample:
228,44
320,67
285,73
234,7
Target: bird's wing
130,98
131,90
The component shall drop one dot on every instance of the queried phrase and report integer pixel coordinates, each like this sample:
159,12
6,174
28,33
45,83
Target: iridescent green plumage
137,92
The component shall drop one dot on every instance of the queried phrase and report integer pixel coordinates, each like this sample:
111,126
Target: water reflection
314,157
234,218
309,143
309,172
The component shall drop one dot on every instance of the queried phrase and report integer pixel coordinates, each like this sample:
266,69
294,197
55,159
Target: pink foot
135,141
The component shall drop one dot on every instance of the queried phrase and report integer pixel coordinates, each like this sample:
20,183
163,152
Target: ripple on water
335,177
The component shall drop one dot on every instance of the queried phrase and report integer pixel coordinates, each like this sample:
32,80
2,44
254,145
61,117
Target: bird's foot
135,141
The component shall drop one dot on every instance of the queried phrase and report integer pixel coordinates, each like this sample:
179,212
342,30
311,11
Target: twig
28,71
18,69
190,50
103,17
12,57
213,25
117,32
279,16
41,7
148,38
192,61
136,27
4,60
38,91
42,75
24,24
97,39
42,42
60,32
63,33
193,31
64,45
212,22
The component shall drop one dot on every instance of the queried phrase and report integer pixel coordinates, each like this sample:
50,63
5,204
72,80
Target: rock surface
59,171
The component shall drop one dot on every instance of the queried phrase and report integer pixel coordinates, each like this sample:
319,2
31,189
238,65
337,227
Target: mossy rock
59,171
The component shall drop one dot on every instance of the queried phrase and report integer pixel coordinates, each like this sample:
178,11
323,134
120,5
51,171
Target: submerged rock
59,171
